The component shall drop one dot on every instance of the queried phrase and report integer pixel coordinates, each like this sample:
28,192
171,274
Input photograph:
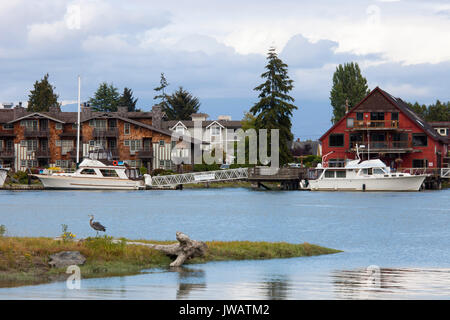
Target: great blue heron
97,226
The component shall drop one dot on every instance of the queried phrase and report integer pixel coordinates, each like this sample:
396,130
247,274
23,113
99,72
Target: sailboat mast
78,121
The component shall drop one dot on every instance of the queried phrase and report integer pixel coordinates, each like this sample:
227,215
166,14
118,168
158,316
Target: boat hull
404,183
73,182
3,175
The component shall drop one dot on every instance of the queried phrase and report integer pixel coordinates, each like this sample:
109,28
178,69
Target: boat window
340,174
109,173
329,174
87,171
378,171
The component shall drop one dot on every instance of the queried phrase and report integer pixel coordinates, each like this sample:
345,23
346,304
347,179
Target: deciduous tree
348,85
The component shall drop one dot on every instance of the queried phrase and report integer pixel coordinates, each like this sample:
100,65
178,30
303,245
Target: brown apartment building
40,139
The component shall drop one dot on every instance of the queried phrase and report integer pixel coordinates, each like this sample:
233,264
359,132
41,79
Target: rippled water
396,245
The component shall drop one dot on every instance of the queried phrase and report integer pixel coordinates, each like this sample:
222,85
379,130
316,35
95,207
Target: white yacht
3,175
368,175
97,171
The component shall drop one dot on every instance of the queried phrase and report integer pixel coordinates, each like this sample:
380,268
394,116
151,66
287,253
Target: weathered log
184,250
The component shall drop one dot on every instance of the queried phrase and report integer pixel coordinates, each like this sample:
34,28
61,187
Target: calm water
396,245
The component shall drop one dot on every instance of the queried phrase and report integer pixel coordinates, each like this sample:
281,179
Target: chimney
122,111
86,110
19,111
54,109
346,106
157,115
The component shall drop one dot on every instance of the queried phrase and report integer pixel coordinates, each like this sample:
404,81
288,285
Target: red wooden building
387,129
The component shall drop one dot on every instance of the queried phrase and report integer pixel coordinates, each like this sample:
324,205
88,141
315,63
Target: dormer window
179,129
215,131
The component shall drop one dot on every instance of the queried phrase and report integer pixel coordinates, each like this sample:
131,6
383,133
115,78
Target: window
359,116
215,131
161,163
179,129
336,163
66,146
88,171
126,128
340,174
75,126
394,116
112,144
135,145
109,173
98,123
29,123
355,138
420,163
336,140
31,145
378,171
419,140
9,144
350,122
112,123
97,143
161,143
58,126
377,116
329,174
8,126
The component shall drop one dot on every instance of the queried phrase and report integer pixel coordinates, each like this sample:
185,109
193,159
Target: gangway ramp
199,177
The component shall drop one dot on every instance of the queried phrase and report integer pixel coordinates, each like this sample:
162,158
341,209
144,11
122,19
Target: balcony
145,154
6,134
7,154
69,134
375,124
42,153
106,133
36,133
382,146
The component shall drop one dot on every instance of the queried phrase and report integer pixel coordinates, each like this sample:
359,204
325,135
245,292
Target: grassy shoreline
24,261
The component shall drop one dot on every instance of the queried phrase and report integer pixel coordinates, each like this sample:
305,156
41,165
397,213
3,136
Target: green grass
24,261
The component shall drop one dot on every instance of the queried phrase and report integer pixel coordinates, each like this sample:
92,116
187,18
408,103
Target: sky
217,50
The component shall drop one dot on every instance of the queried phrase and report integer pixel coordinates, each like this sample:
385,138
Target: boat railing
417,171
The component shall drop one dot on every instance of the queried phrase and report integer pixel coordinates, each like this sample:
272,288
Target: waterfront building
42,139
385,127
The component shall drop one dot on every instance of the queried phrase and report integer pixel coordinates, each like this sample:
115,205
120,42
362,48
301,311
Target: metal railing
100,132
364,124
199,177
383,145
36,132
7,153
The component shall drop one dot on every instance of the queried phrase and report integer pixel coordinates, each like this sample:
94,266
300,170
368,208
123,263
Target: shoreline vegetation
24,260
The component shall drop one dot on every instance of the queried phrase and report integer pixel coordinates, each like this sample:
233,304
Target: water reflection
189,279
388,283
276,288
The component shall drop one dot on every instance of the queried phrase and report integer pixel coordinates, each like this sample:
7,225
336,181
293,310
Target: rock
66,258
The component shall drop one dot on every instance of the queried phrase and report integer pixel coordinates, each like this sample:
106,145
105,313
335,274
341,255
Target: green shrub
162,172
143,170
21,177
2,230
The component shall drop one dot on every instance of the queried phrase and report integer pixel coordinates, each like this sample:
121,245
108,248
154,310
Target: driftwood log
185,249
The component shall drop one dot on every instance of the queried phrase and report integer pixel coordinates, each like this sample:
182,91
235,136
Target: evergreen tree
127,100
42,97
274,109
180,105
348,84
161,95
438,111
106,98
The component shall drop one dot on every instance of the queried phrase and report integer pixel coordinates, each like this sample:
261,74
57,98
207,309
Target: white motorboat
368,175
99,172
3,175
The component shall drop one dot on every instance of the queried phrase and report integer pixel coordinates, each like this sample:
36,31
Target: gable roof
38,114
399,104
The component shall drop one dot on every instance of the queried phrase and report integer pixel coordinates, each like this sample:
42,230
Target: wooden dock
289,178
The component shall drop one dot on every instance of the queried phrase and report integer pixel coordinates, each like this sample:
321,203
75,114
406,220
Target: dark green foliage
106,98
161,94
348,83
162,172
127,100
439,111
42,97
181,105
274,109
